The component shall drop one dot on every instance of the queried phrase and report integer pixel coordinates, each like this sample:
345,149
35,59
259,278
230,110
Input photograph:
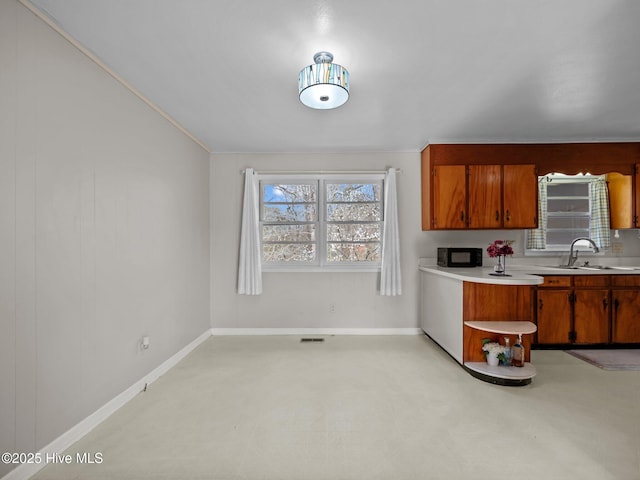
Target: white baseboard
316,331
75,433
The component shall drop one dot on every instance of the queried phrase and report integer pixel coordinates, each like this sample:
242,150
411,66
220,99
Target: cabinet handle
462,216
605,304
508,216
540,304
497,215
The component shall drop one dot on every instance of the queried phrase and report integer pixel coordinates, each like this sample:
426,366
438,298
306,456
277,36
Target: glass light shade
323,85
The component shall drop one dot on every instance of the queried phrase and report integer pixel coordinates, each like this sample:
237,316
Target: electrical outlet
332,308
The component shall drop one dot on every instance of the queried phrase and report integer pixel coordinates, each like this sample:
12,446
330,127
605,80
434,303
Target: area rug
623,359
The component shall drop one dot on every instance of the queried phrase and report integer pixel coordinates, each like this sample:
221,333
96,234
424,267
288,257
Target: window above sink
570,206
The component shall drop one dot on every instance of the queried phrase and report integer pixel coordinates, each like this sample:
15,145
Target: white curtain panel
391,275
250,266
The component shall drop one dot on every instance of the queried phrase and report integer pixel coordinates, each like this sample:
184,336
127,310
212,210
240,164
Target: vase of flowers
500,249
494,352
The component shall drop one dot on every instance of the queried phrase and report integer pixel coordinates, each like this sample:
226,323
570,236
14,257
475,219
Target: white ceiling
422,71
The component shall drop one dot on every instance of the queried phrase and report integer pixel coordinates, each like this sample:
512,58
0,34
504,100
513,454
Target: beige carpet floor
365,408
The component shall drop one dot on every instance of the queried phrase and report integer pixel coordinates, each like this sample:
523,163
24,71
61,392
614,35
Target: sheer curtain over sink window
342,221
571,206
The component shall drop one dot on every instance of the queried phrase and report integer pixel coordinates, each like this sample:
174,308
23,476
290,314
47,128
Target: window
321,222
568,212
570,208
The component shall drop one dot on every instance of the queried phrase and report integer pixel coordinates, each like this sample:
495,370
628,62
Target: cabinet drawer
625,280
591,281
556,281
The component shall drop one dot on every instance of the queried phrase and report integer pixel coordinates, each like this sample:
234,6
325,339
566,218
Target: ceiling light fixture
323,85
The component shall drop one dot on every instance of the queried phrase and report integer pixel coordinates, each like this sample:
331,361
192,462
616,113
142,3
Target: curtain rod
323,172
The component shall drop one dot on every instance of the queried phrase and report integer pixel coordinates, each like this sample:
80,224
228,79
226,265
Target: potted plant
493,351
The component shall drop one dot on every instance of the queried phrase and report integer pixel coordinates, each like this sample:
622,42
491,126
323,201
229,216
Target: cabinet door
485,208
620,200
520,196
554,316
591,316
449,197
625,323
636,213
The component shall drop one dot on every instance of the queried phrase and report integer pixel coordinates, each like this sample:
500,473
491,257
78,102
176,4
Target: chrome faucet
573,257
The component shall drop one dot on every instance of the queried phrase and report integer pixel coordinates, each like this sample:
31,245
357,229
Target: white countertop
481,275
519,274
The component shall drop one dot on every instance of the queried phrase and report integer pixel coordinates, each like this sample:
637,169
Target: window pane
567,189
353,252
564,237
353,192
345,212
289,252
289,213
289,233
568,205
568,222
353,232
289,193
296,231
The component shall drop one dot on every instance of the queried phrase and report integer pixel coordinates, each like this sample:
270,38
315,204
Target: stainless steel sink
592,267
581,267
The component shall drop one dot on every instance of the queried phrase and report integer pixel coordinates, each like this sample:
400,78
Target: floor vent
309,340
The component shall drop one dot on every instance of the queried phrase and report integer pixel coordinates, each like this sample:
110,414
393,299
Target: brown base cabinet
554,316
590,316
490,302
625,315
588,310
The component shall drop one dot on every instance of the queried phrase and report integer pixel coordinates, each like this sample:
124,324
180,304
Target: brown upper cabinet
502,196
636,215
489,186
485,196
620,200
449,204
482,196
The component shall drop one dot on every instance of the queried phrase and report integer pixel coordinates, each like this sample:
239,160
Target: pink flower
500,248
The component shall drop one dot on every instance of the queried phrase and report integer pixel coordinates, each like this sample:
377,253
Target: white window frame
555,249
322,264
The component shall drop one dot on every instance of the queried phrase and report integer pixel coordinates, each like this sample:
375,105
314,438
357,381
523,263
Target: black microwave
459,257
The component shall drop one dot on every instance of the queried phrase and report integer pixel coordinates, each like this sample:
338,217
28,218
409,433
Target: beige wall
104,235
303,300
